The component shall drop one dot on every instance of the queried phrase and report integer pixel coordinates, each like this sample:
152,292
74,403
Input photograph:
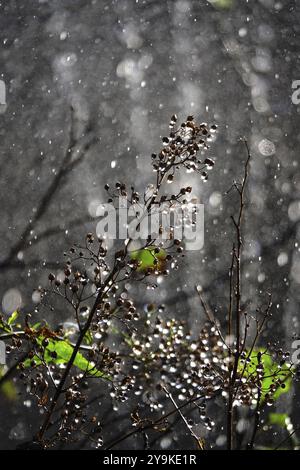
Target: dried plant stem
179,151
154,423
286,439
117,268
210,317
236,268
69,365
256,419
189,428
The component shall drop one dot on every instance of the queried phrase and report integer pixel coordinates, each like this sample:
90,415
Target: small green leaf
13,318
279,418
222,4
88,338
9,390
64,351
147,258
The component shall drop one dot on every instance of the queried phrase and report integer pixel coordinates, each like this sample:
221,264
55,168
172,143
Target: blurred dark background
125,67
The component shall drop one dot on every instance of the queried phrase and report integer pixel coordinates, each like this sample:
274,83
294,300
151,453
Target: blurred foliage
8,388
272,374
279,418
222,4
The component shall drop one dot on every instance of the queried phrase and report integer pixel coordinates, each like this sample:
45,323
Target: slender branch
256,415
112,277
236,265
210,316
154,423
189,428
69,365
286,439
73,156
188,139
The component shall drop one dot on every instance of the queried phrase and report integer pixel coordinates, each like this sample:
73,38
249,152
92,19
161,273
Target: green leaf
9,390
222,4
279,418
13,318
64,351
88,338
147,256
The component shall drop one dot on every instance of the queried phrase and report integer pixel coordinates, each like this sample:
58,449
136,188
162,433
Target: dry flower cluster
151,356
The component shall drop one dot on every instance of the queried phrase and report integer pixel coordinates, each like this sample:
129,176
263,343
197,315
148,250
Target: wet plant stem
236,268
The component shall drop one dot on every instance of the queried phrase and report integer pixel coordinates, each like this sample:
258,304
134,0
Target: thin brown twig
198,439
154,423
237,252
